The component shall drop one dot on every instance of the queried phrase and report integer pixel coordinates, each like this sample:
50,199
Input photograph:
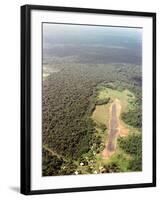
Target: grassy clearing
101,112
126,97
101,116
92,161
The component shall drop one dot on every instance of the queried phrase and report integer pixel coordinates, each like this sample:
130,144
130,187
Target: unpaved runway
114,129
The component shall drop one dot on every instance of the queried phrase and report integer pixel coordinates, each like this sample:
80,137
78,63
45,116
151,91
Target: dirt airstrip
116,129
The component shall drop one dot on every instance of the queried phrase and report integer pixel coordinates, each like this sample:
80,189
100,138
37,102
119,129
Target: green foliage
102,101
118,163
68,168
111,167
68,99
51,164
133,146
101,126
133,118
136,163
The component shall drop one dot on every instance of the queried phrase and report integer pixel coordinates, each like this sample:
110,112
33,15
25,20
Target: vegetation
133,118
132,145
70,97
102,101
51,164
117,163
84,71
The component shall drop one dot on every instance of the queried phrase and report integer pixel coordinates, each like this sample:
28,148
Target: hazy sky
99,44
81,34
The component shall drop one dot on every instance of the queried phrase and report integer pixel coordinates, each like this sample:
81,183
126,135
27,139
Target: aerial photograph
91,99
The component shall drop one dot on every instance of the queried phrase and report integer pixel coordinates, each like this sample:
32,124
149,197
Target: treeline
133,117
133,145
102,101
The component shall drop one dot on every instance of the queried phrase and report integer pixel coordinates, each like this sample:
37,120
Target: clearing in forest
109,115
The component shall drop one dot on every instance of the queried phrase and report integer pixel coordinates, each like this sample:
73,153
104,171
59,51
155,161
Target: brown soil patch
123,130
119,130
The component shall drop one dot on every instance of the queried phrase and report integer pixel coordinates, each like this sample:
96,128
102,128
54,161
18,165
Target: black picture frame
26,98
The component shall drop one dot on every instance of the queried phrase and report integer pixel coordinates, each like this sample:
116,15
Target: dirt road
114,129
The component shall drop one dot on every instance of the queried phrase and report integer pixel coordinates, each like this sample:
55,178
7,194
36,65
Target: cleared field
126,97
101,112
101,115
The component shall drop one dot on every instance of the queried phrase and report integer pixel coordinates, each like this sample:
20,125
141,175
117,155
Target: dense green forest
133,145
85,70
68,102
